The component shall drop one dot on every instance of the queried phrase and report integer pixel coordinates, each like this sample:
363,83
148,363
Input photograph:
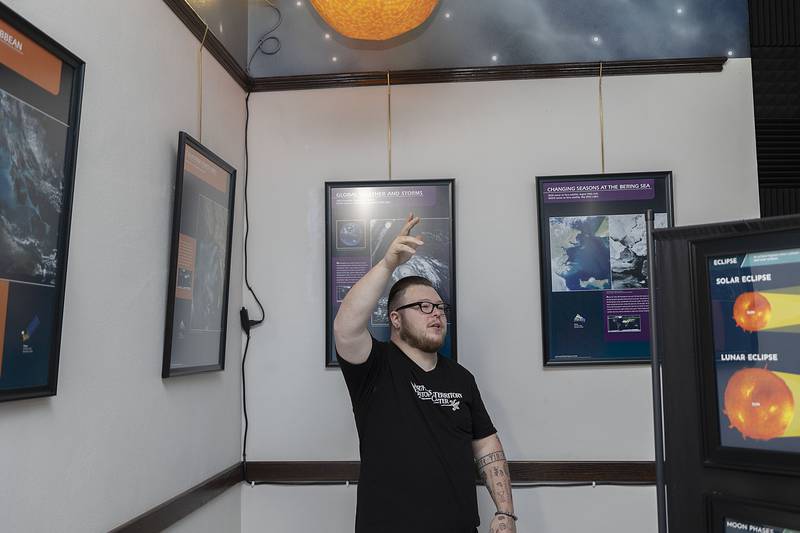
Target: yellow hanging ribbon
389,121
602,124
200,82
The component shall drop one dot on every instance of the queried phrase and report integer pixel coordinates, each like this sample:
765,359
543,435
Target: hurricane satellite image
432,260
350,234
32,147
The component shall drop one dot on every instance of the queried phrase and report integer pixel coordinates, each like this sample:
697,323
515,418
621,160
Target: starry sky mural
472,33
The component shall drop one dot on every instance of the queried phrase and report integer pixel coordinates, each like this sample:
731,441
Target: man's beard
421,341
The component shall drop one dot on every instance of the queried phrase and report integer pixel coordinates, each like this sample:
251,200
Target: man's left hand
503,524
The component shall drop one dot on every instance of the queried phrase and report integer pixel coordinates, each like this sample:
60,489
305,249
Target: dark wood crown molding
442,75
472,74
198,28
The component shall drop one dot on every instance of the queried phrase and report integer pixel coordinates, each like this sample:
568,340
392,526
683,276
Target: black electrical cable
259,47
244,411
247,324
267,37
264,38
247,215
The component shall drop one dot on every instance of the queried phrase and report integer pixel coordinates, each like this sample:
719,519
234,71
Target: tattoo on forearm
490,458
499,493
495,476
485,481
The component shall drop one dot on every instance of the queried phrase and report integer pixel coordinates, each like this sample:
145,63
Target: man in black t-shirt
421,423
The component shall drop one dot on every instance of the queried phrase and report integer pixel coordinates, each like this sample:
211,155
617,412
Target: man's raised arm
353,341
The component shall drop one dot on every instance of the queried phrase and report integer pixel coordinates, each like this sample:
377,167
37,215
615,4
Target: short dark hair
401,285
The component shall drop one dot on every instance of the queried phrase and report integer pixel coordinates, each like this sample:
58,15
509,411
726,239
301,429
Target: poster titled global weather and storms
40,92
362,220
755,322
593,250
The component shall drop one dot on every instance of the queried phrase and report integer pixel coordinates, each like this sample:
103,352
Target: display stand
658,424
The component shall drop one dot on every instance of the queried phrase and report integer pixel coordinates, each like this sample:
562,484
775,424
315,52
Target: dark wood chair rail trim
521,471
169,512
444,75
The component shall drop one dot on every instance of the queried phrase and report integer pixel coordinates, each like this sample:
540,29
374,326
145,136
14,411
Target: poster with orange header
200,261
40,98
755,316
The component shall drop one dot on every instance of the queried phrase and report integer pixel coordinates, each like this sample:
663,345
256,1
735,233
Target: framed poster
747,516
593,253
200,261
747,309
362,219
41,85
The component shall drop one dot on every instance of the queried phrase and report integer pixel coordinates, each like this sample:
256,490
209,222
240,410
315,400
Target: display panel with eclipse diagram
755,312
728,296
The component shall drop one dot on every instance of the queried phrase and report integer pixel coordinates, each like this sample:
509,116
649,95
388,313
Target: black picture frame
393,212
210,194
627,202
764,516
57,99
701,251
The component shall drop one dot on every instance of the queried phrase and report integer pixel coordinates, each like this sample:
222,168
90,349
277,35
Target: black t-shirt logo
445,399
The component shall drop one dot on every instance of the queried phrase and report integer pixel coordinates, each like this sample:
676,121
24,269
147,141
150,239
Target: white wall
118,440
220,515
493,138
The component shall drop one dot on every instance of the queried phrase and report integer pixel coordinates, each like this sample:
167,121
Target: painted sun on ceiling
368,20
306,37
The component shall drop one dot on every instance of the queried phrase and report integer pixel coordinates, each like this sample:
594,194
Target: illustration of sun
752,311
759,404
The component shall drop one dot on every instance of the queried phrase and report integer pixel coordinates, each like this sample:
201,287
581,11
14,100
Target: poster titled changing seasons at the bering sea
593,250
40,89
755,314
363,218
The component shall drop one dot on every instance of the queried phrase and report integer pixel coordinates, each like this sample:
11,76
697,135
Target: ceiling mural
471,33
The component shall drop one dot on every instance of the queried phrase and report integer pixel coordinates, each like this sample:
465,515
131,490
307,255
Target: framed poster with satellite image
593,253
200,261
41,85
362,219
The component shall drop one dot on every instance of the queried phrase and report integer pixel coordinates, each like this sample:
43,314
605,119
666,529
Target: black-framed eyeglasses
427,307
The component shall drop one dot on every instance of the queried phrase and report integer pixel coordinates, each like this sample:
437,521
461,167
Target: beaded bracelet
510,515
